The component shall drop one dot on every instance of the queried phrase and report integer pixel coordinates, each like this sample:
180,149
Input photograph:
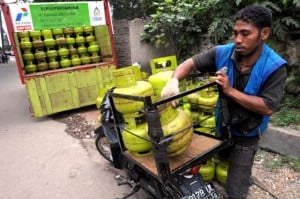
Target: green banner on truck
41,16
48,16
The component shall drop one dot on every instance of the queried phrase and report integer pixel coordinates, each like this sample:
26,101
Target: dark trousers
241,158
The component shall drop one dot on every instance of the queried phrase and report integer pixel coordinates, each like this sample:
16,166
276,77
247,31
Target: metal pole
1,31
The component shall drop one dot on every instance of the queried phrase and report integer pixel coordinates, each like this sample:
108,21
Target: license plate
204,192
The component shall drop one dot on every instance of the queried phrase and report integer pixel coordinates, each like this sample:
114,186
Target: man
251,90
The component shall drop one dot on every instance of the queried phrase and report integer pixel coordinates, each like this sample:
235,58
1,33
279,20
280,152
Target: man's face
247,38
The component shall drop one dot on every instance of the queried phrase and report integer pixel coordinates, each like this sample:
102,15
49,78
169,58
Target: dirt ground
272,177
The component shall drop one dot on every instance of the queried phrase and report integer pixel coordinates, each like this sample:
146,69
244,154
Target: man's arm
184,69
253,103
203,62
172,86
265,104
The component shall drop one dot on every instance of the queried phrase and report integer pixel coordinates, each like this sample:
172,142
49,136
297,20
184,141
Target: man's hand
223,81
170,89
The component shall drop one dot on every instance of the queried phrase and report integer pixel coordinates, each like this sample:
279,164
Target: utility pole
1,31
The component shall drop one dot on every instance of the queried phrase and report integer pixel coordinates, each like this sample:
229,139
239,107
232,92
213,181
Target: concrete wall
143,52
129,48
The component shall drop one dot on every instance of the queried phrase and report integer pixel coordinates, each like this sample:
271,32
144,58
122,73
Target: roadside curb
284,141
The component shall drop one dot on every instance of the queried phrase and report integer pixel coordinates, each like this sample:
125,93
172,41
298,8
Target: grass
282,161
289,114
287,117
292,162
275,161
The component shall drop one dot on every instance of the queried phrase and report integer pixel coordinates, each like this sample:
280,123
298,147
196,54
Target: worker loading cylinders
135,135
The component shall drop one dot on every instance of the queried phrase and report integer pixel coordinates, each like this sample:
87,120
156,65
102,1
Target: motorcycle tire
106,150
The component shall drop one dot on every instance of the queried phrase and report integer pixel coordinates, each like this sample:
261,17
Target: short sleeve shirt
272,90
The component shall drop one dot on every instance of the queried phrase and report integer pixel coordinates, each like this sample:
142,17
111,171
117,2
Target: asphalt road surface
39,160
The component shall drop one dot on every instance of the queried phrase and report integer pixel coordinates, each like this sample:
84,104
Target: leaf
219,27
279,30
296,3
289,21
271,5
238,2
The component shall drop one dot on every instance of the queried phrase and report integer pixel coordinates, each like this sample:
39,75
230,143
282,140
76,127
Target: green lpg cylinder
207,171
207,99
135,135
175,122
137,140
126,83
221,171
207,120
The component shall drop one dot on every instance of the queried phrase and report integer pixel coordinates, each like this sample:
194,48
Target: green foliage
289,114
285,16
287,117
279,30
42,1
178,23
275,161
292,162
127,9
220,28
282,161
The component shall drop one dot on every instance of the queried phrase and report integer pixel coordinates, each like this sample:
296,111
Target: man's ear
265,32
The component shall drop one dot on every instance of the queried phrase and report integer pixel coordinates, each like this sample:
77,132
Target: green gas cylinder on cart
207,170
221,171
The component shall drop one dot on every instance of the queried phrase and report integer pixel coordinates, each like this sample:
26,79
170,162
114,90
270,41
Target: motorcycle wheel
103,146
111,152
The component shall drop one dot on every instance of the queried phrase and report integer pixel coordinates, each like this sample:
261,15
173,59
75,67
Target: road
39,160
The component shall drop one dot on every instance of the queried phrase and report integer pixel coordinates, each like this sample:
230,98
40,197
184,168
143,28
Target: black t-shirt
272,90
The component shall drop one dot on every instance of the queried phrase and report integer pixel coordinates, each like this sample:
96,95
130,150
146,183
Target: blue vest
268,62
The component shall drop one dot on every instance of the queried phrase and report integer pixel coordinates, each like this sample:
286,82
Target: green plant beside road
293,162
179,24
284,161
289,114
276,161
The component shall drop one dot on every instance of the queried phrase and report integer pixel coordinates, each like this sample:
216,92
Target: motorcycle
162,177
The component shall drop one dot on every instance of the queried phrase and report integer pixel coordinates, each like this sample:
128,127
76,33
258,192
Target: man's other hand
171,89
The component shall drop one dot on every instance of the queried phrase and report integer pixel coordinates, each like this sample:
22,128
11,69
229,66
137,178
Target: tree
128,9
178,23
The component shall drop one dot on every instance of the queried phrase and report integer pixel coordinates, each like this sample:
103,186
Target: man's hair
258,15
